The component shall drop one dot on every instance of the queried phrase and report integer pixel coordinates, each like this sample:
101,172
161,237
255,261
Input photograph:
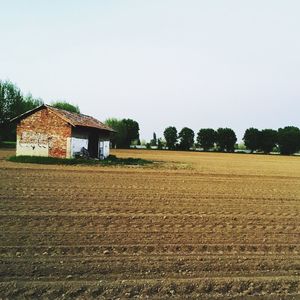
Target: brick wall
43,130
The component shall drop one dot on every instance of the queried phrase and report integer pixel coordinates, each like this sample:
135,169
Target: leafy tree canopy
12,104
132,131
118,136
226,139
289,140
186,136
66,106
268,140
127,131
170,135
252,138
206,138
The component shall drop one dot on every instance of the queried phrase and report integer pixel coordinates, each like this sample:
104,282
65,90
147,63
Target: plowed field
194,225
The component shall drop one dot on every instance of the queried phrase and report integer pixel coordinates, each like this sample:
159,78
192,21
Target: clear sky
212,63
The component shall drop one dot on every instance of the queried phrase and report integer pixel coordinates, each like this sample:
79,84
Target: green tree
170,135
186,136
226,139
289,140
268,140
127,131
159,144
66,106
13,104
206,138
118,136
132,132
252,138
11,101
31,103
153,142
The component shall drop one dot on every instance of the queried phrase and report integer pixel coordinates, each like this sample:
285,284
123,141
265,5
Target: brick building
49,131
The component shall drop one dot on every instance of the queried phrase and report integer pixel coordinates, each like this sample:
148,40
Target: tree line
224,138
286,140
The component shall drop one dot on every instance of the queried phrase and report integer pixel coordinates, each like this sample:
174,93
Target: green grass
110,161
6,144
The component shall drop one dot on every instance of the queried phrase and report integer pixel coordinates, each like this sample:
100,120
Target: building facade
48,131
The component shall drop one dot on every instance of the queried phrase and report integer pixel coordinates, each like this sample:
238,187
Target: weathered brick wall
44,129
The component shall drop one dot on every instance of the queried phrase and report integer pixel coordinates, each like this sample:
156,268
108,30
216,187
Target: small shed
53,132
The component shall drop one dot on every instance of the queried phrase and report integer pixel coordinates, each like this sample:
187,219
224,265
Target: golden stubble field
193,226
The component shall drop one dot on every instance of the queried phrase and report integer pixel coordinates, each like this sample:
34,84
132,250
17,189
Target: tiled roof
72,118
79,119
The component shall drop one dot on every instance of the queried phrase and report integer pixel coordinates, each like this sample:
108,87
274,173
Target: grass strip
111,160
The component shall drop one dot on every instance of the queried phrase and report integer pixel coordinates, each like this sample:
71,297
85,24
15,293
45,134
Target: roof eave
103,129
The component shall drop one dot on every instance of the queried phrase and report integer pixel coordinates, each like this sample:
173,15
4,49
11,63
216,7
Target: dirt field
194,225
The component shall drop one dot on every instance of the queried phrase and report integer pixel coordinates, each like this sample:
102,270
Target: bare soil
193,226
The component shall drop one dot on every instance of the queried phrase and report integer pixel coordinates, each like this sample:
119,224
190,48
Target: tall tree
11,101
12,104
252,139
170,135
206,138
289,140
226,139
268,140
186,136
66,106
132,131
119,135
159,144
127,131
153,142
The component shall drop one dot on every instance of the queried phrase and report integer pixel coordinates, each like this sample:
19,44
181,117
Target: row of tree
13,103
224,138
286,139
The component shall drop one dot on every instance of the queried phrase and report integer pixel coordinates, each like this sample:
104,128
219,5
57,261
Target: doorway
93,146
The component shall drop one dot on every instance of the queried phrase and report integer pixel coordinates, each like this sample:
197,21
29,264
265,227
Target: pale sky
213,63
